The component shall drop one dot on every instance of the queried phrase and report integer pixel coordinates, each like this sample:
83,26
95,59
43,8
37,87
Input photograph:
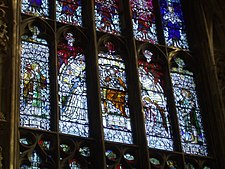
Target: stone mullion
93,88
13,84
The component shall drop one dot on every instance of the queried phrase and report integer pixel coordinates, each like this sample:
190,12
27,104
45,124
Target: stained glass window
35,7
59,75
173,23
152,79
34,85
69,11
143,18
114,97
72,87
107,16
189,117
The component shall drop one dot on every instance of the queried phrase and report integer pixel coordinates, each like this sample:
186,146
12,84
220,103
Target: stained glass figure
190,123
114,97
34,84
154,101
69,11
143,19
107,16
35,7
173,24
72,88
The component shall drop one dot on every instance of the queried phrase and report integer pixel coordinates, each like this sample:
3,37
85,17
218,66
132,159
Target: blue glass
173,24
35,7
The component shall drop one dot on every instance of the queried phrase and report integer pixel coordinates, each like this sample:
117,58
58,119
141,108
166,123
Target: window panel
154,101
107,16
143,19
114,97
173,24
189,117
69,11
35,7
72,87
34,85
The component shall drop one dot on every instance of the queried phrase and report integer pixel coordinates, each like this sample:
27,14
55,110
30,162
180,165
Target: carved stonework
2,117
4,39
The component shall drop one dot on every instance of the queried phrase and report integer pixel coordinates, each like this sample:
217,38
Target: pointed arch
191,128
114,91
152,66
71,58
35,77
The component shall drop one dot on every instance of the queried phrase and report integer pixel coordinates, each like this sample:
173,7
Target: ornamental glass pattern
154,101
34,84
35,7
114,97
72,87
69,11
190,121
173,24
107,16
143,19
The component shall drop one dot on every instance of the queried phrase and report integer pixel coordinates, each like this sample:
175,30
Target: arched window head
151,68
143,19
173,24
69,12
107,16
188,111
114,95
73,117
35,7
35,83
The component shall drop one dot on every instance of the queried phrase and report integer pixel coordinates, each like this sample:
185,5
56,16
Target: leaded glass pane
107,16
72,88
143,19
114,97
173,24
154,101
34,84
189,117
35,162
69,11
35,7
